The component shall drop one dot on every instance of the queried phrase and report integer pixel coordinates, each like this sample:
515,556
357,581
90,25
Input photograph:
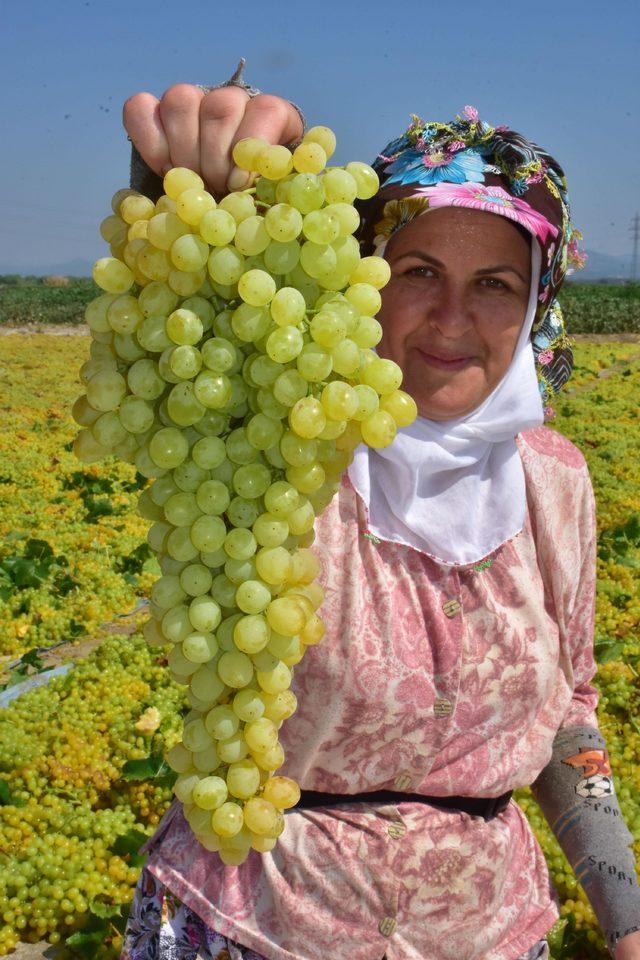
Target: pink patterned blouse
431,680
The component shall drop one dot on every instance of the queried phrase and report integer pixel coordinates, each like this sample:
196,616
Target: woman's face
459,290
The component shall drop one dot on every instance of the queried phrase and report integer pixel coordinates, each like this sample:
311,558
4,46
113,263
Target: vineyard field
82,776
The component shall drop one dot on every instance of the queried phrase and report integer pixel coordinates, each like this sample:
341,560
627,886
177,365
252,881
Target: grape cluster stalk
232,361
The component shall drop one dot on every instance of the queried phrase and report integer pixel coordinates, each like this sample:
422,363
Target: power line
635,229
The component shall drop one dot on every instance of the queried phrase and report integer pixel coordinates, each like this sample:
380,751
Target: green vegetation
588,308
31,300
601,308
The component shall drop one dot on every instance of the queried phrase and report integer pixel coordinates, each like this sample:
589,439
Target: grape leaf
39,550
5,794
153,767
105,910
128,844
87,942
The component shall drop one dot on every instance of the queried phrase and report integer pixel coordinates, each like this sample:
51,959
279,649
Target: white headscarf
455,489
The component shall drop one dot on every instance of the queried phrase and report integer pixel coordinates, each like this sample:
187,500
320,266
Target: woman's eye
419,271
493,280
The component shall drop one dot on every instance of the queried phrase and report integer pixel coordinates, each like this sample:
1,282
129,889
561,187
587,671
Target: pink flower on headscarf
549,413
470,113
575,255
493,200
545,357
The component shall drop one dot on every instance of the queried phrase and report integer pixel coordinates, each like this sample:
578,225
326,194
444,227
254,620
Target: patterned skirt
161,927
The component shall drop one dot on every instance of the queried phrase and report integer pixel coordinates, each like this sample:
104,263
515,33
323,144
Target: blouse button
442,707
396,829
402,782
452,607
387,926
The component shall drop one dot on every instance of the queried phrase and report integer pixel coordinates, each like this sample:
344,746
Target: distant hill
603,266
68,268
599,266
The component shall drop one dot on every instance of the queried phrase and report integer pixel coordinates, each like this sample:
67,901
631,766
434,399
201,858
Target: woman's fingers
221,113
188,128
272,119
141,119
180,115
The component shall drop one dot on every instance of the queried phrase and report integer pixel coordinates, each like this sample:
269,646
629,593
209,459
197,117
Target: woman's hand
190,128
628,948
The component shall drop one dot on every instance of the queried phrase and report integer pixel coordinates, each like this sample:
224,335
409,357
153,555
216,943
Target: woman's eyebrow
501,268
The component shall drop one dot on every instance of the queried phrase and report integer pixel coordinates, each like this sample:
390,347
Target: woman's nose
449,311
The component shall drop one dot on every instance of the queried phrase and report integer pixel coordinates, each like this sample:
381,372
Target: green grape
347,216
226,264
288,307
185,361
339,186
207,533
283,222
280,257
213,497
217,227
366,179
219,354
183,404
328,328
314,362
256,287
263,431
212,390
239,205
184,327
321,227
204,613
252,480
250,321
383,375
365,298
307,417
285,343
306,192
189,253
251,237
317,258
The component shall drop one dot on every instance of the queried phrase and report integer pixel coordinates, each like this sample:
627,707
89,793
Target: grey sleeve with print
576,794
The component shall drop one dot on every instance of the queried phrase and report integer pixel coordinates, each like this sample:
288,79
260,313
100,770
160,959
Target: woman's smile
441,363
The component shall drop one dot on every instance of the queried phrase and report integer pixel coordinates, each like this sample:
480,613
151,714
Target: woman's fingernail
238,179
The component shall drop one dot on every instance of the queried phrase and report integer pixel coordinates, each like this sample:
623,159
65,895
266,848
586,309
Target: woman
459,570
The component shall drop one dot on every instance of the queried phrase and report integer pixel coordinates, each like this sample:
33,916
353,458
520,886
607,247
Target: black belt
487,807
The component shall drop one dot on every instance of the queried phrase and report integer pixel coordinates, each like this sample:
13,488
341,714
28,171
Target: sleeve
580,617
576,794
142,177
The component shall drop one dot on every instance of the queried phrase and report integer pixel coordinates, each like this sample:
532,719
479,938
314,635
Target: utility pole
635,230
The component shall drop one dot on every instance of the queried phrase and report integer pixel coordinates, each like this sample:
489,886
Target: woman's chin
441,408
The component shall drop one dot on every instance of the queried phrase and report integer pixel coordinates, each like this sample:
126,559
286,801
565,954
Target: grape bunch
233,363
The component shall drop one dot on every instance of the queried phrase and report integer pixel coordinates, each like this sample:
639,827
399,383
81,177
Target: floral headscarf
469,163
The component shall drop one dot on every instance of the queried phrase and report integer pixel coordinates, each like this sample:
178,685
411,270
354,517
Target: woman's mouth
442,363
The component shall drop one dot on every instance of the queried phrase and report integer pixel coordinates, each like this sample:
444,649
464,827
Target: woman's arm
575,789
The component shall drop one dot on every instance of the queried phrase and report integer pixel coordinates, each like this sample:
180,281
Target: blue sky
563,74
